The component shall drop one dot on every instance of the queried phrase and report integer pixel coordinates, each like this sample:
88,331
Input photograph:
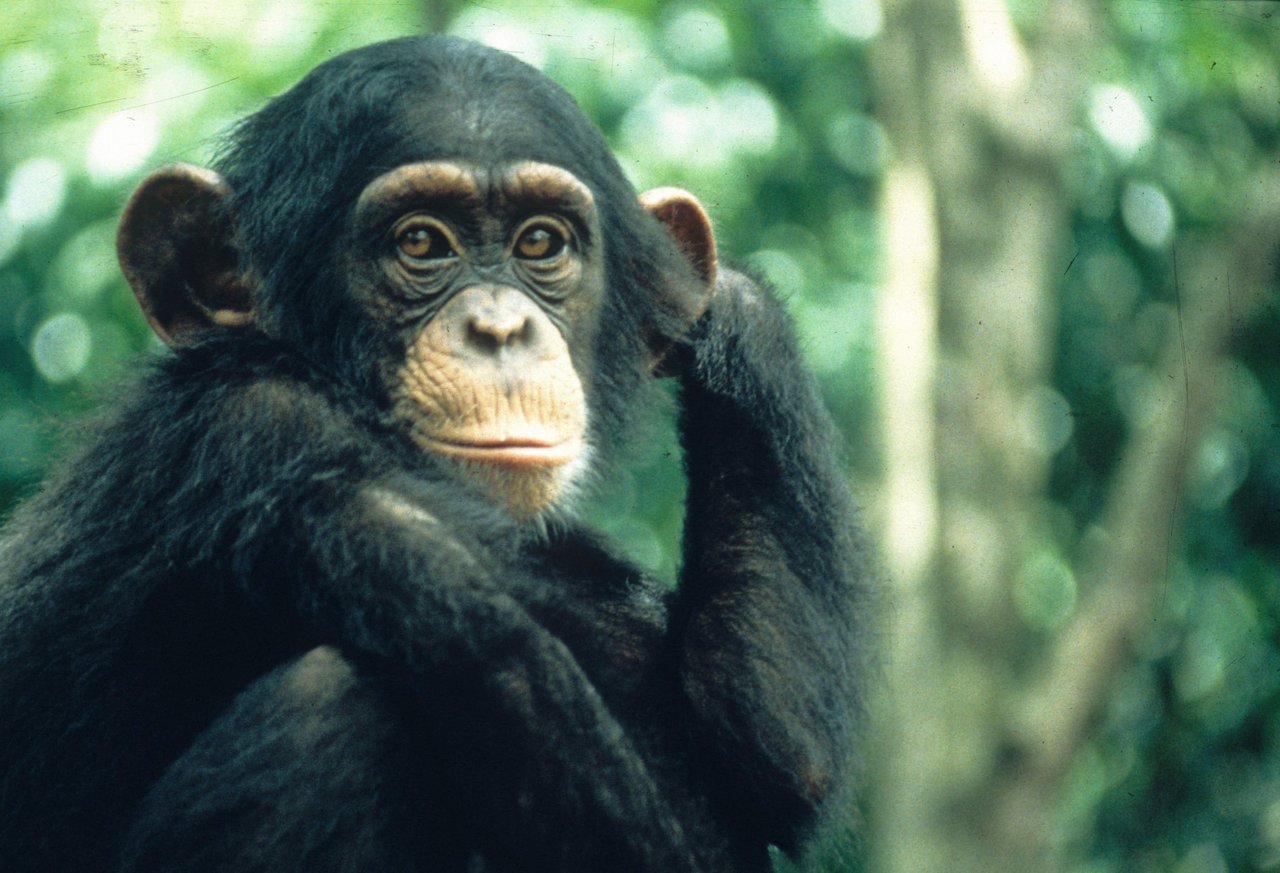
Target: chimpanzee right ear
177,249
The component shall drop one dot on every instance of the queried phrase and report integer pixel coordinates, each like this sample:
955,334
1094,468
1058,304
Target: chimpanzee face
489,280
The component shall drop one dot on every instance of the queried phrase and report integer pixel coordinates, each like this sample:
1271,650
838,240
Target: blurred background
1031,249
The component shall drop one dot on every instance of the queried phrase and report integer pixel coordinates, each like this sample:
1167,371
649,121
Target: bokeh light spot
60,349
36,190
1147,214
856,19
121,144
1118,118
1045,590
697,39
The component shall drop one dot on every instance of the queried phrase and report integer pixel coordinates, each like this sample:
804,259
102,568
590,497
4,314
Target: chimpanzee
314,596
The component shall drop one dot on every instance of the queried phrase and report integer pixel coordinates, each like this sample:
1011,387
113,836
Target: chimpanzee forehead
440,98
413,100
494,126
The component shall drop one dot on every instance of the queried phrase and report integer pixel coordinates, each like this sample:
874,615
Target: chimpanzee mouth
514,451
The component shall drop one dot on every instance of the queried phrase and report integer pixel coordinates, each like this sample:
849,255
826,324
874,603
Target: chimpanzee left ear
690,225
177,249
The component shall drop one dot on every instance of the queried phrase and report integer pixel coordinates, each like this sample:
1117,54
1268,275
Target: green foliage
1186,771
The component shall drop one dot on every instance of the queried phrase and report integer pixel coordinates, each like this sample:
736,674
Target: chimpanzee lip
514,450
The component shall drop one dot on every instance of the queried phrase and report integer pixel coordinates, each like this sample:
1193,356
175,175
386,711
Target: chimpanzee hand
771,553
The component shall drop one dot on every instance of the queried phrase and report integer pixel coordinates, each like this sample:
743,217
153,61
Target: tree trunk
977,743
977,196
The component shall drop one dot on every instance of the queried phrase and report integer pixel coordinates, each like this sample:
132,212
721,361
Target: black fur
251,627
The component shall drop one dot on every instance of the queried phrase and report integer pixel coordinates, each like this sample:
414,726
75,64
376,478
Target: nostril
479,337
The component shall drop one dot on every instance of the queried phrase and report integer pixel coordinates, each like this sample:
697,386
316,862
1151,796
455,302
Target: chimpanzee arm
770,609
577,789
319,535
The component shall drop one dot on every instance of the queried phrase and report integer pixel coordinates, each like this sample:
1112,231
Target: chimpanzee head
439,226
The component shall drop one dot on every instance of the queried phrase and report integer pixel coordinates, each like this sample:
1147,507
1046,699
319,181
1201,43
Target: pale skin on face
517,435
517,431
456,404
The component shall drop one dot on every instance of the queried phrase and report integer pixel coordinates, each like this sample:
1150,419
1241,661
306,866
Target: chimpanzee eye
423,239
540,242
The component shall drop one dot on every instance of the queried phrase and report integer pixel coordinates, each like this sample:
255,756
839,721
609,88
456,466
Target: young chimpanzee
314,597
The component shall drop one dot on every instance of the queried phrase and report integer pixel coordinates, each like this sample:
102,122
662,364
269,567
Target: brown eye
540,242
424,242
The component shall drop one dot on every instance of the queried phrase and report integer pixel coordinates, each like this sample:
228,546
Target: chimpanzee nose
496,320
497,326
